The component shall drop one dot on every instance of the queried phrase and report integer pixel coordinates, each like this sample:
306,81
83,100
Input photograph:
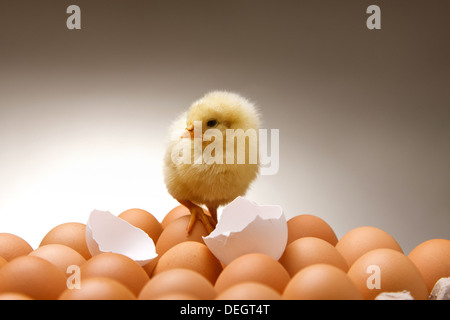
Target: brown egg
360,240
98,288
32,276
255,267
190,255
178,281
14,296
309,250
307,225
143,220
174,214
249,291
387,270
117,267
176,233
12,246
177,296
321,282
432,258
149,267
59,255
3,261
71,234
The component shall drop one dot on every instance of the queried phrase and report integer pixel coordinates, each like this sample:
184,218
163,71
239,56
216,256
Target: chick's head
223,110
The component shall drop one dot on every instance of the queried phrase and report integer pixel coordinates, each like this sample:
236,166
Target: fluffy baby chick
200,181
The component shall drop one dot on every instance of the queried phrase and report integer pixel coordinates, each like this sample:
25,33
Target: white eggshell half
108,233
246,227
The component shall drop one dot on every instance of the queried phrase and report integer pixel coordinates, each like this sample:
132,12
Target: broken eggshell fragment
441,290
108,233
246,227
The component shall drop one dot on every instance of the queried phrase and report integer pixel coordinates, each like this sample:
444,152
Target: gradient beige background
363,115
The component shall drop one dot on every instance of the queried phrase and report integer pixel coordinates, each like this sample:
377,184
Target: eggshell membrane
307,225
176,233
321,282
432,258
190,255
14,296
118,267
249,291
143,220
32,276
360,240
255,267
178,281
309,250
71,234
396,273
174,214
98,288
59,255
12,246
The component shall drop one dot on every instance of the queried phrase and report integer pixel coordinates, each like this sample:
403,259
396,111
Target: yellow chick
212,157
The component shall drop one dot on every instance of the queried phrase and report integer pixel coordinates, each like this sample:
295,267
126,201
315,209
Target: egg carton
441,291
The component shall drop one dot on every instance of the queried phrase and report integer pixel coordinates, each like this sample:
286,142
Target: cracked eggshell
401,295
246,227
108,233
441,290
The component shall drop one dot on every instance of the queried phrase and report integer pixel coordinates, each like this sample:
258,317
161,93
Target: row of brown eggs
315,265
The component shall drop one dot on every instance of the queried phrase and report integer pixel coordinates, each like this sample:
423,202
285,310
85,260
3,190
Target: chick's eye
211,123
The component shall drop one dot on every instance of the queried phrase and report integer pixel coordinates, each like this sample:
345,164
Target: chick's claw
198,214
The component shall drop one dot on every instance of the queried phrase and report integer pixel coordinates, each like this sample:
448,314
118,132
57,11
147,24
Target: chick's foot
197,213
207,221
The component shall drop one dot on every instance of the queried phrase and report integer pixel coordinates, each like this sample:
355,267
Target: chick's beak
189,133
190,129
